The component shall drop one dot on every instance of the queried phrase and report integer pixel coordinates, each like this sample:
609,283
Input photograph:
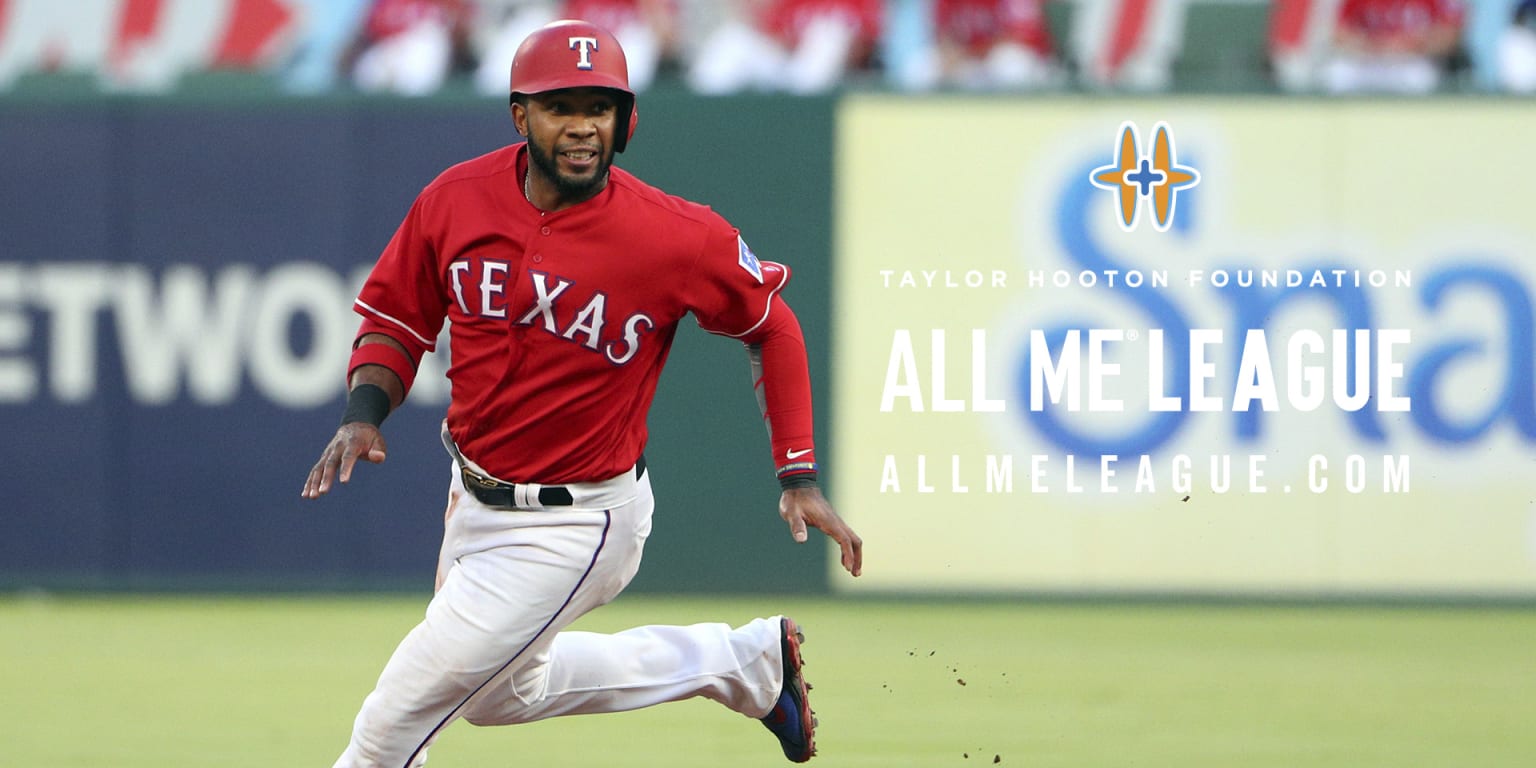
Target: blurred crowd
417,47
811,46
796,46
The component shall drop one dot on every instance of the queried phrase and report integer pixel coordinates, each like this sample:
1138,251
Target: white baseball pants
490,648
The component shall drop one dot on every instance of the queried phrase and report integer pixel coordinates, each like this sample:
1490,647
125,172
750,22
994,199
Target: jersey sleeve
731,290
735,294
782,381
403,296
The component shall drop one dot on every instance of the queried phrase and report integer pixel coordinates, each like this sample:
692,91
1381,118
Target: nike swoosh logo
788,454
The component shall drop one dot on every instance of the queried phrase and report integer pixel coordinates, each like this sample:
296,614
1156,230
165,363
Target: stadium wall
175,287
175,276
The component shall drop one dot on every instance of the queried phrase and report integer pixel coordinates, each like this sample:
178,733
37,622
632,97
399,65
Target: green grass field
195,682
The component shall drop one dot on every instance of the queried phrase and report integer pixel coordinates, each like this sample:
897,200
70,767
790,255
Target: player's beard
570,187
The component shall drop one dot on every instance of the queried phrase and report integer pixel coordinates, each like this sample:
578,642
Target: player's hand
801,507
353,441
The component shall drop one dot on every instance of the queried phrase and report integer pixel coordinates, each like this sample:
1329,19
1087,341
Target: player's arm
781,378
734,294
381,372
403,305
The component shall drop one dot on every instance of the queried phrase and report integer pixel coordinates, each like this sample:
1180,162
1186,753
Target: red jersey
787,19
977,25
1398,18
561,322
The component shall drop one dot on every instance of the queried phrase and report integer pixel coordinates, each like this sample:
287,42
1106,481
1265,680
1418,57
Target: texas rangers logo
586,45
1156,178
747,260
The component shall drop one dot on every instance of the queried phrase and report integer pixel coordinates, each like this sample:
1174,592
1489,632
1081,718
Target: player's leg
494,609
585,672
589,673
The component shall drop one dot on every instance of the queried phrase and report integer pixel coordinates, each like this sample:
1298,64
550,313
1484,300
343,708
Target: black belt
495,493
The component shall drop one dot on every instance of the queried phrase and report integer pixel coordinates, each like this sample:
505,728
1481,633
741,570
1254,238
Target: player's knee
497,711
479,719
505,713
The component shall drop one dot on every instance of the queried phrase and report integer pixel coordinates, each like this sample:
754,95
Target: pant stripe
448,718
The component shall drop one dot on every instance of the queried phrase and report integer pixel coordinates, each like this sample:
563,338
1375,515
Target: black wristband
366,403
798,480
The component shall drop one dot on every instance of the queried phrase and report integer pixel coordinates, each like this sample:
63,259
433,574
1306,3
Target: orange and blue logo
1155,178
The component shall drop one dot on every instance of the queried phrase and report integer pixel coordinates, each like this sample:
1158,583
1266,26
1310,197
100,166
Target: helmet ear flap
627,103
634,120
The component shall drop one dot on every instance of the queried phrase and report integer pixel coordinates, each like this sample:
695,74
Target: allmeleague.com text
1180,473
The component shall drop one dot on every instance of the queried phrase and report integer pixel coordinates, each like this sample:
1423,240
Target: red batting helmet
575,54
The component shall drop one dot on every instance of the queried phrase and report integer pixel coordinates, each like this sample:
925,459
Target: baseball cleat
791,719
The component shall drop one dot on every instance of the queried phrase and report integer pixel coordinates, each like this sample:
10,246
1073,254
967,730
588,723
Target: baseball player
564,279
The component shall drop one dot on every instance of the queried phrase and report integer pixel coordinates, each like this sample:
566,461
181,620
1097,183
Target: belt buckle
479,481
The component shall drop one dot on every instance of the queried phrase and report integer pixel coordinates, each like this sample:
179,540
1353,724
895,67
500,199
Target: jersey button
538,257
544,230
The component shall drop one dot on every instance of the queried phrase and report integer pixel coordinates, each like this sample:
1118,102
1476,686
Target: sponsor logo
1138,181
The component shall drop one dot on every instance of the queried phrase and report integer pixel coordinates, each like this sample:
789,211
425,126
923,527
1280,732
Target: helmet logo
586,45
